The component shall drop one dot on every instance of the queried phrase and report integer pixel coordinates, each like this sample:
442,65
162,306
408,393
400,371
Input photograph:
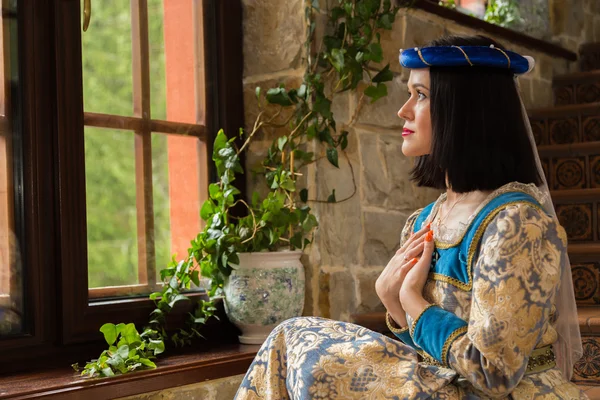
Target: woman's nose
404,113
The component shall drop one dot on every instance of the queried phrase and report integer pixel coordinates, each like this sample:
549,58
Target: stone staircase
568,140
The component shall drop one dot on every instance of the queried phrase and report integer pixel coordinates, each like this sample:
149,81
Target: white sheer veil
568,348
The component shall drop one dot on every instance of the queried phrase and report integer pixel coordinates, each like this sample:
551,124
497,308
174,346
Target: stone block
382,235
340,107
340,224
274,35
543,67
391,43
592,6
597,28
419,31
384,112
324,290
542,93
588,27
525,90
342,295
567,17
311,273
369,301
385,179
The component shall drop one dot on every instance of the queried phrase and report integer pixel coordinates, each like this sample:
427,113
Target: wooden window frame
143,127
62,324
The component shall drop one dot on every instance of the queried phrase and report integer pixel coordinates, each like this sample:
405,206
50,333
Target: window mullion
143,143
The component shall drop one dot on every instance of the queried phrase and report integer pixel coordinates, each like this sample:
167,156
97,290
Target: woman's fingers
415,251
428,247
407,266
415,236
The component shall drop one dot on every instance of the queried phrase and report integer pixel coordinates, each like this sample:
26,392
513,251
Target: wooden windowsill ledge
172,371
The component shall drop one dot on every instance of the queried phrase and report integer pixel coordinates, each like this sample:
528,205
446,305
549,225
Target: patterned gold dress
487,334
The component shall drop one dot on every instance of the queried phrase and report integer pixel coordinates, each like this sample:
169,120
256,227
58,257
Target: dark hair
479,136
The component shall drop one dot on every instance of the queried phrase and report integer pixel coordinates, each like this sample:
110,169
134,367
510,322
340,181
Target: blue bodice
453,262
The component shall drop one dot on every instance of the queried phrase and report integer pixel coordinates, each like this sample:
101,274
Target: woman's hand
391,279
411,292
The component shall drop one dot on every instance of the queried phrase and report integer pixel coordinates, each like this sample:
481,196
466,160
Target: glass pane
111,207
12,320
177,167
158,87
160,187
107,59
172,60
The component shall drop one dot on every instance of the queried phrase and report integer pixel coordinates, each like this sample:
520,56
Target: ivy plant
128,351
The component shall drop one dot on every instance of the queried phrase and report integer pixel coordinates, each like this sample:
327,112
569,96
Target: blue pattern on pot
265,290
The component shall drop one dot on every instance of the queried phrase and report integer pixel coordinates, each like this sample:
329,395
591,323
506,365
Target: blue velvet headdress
458,56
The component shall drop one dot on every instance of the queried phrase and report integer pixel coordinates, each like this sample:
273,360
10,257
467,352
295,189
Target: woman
473,293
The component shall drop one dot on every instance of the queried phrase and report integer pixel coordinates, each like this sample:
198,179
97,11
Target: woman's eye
422,96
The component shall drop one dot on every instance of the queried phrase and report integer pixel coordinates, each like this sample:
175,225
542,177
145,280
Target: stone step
566,124
571,166
577,210
589,57
577,88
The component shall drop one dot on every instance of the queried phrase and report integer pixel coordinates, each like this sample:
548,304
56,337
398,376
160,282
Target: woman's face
416,116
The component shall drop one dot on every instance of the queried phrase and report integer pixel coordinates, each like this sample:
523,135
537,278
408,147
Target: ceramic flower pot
265,290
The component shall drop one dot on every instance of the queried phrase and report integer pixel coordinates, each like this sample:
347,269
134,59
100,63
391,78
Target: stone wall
358,236
574,22
218,389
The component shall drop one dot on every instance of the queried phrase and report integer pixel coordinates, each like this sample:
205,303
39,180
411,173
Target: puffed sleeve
515,278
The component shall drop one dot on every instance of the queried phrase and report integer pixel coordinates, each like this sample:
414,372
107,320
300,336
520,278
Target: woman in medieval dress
479,296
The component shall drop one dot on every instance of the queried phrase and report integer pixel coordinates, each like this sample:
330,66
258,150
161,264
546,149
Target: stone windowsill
172,371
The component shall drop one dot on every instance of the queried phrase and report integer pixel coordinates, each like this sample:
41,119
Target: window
529,17
104,137
145,141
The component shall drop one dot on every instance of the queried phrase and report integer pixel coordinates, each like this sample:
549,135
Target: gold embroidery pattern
460,331
392,326
529,189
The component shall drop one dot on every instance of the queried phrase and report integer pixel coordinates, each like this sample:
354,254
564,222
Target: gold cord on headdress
505,55
465,54
421,57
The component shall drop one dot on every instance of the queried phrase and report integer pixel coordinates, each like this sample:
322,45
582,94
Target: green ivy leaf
337,58
332,156
207,210
279,96
179,297
281,142
375,52
385,75
331,198
304,195
376,92
344,140
110,333
147,363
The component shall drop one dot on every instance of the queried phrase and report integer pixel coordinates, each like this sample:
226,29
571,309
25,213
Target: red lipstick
406,132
